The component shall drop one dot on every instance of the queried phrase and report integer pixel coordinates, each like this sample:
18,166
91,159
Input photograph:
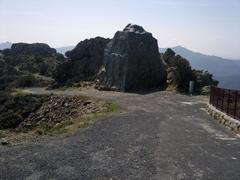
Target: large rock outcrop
179,71
132,61
36,58
84,63
31,49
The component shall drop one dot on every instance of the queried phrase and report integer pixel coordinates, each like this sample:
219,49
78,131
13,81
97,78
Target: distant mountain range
63,50
5,45
226,71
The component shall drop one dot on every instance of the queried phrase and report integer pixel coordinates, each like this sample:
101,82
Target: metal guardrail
226,100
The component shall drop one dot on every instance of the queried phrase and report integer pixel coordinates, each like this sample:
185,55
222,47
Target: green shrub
15,108
27,81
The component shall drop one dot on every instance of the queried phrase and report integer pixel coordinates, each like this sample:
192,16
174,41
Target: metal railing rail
226,100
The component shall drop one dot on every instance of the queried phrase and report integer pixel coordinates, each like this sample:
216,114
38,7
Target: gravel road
159,136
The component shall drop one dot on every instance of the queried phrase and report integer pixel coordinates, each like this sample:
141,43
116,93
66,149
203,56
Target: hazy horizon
209,27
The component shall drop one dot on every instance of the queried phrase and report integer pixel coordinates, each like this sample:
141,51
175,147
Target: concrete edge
224,119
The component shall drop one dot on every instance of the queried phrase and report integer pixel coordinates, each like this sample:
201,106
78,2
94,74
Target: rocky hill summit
33,58
31,49
128,62
27,65
132,61
135,29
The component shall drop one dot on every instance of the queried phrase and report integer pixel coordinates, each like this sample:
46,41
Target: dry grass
71,126
67,127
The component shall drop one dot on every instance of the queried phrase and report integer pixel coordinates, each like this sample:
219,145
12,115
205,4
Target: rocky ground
158,135
58,109
51,116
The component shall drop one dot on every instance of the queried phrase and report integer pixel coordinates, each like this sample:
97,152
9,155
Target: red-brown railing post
236,102
237,109
223,93
211,94
228,99
224,99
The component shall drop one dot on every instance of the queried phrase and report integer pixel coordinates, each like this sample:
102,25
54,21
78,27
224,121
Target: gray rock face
179,71
86,59
132,61
134,28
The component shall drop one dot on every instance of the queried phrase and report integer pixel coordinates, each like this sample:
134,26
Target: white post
191,87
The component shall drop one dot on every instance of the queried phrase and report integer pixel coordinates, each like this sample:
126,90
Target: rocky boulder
179,71
132,61
85,61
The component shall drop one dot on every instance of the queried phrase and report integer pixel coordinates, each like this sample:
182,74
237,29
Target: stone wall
224,119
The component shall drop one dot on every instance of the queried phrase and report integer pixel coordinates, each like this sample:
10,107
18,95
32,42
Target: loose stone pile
58,109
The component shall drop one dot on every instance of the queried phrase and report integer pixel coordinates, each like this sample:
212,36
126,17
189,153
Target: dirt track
159,135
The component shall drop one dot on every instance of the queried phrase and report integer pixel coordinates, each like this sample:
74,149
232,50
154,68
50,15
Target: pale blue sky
207,26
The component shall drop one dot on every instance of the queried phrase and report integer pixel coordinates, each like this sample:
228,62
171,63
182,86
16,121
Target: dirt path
160,136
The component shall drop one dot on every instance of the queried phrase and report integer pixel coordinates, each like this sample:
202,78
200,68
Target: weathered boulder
171,77
179,71
132,61
168,57
85,62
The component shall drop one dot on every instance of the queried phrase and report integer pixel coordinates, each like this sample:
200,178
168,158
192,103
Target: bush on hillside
15,108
